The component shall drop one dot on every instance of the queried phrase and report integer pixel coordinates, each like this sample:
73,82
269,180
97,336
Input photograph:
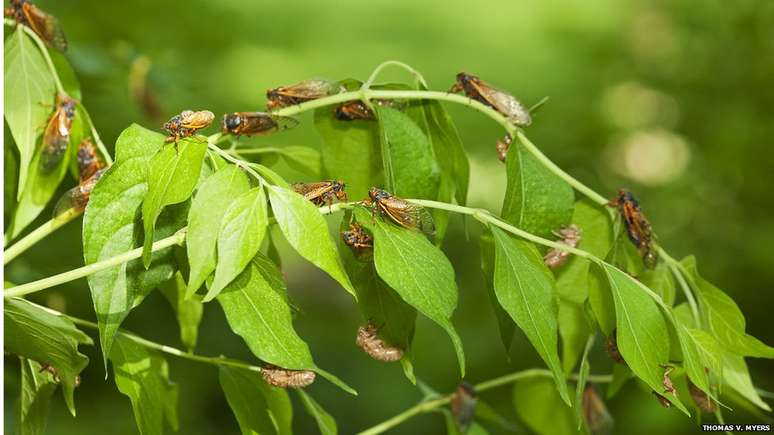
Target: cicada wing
426,222
410,216
284,122
507,104
74,199
54,145
45,25
309,89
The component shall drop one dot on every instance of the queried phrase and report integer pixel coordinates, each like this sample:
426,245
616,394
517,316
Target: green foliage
325,421
187,310
36,391
259,408
144,377
36,334
540,406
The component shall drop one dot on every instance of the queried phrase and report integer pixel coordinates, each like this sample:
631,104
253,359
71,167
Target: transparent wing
45,25
506,104
308,89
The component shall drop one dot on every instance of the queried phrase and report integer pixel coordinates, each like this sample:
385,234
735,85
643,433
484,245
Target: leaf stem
383,65
430,405
102,148
71,275
221,361
39,233
678,270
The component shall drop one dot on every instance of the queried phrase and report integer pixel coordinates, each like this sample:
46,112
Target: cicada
501,101
307,90
43,24
669,387
463,406
284,378
57,133
662,400
595,413
352,111
400,211
368,340
252,123
187,123
702,400
637,226
77,197
323,192
357,238
88,160
570,236
611,345
502,146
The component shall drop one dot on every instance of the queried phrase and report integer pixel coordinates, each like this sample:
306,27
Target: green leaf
621,375
737,376
188,310
36,334
110,226
641,331
144,378
325,421
242,229
302,159
724,317
37,387
536,200
504,323
350,152
418,271
258,407
601,301
540,407
172,176
29,102
580,387
409,164
660,280
210,204
10,179
256,308
572,281
525,289
307,232
451,426
699,348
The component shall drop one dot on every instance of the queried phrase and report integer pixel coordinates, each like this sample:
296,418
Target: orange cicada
44,25
77,197
57,133
356,238
187,123
88,160
368,340
501,101
637,226
322,192
353,111
400,211
307,90
252,123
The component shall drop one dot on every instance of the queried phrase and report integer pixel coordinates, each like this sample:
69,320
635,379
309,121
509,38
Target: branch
430,405
39,233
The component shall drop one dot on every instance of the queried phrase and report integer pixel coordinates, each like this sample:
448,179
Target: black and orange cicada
187,123
359,111
359,241
88,160
90,169
322,192
43,24
56,137
255,123
501,101
400,211
307,90
637,226
463,406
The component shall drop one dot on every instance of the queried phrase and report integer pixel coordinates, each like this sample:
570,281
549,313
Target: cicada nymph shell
368,340
284,378
570,236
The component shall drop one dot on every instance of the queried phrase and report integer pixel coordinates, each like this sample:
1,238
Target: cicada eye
232,121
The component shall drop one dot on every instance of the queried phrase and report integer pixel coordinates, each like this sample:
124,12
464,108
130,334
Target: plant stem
383,65
211,144
678,270
221,361
39,233
32,287
429,405
102,148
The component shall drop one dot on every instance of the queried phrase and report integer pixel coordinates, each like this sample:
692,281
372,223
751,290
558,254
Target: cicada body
400,211
307,90
255,123
702,400
88,160
638,227
595,413
323,192
368,340
45,25
502,146
56,137
463,406
187,123
359,241
284,378
611,345
353,111
78,197
501,101
570,236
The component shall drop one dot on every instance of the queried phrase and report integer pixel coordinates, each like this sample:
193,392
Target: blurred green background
673,99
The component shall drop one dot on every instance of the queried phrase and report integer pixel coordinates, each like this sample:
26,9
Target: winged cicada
255,123
77,197
322,192
88,160
43,24
400,211
358,111
463,406
187,123
57,133
501,101
307,90
637,226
